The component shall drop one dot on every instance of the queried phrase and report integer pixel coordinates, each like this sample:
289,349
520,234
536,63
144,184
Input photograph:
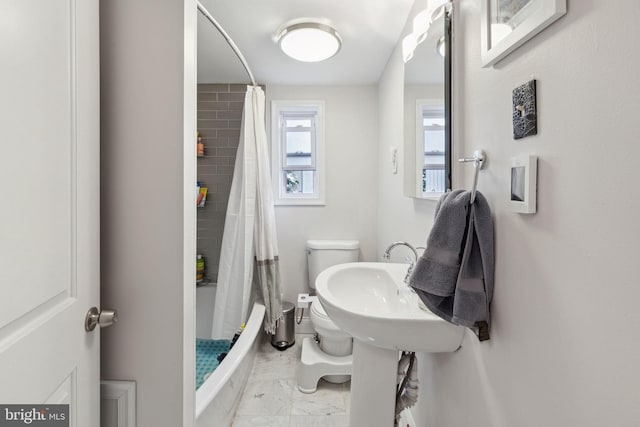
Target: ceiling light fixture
423,20
441,47
309,41
409,44
421,23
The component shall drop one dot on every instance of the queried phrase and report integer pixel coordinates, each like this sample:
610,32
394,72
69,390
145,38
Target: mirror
427,113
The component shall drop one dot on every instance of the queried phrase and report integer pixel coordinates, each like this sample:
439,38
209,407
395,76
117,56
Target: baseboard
124,395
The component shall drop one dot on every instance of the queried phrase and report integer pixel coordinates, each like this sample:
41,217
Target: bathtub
217,399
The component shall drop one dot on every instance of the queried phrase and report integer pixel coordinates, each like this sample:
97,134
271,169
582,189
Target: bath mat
207,352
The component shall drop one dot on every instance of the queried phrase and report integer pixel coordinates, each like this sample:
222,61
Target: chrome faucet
412,263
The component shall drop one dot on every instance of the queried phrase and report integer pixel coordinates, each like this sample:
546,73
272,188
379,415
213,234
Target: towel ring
479,162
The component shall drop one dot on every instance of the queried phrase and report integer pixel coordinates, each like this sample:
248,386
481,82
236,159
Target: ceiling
369,29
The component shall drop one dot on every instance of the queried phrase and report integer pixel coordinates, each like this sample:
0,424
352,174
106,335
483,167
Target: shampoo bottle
199,268
199,145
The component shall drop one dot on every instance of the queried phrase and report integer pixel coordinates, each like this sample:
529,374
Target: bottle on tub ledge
199,145
201,195
200,268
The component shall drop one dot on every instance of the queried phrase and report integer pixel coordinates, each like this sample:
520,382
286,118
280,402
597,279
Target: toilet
327,356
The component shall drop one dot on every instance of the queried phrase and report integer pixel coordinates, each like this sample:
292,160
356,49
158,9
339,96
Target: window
431,150
297,152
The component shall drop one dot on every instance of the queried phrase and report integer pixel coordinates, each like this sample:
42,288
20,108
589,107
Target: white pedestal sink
371,302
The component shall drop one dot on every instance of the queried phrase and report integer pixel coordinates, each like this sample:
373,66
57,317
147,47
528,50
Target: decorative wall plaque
525,122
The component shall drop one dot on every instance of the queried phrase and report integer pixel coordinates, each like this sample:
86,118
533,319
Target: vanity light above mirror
421,23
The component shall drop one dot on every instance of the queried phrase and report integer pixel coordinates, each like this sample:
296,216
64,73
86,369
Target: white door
49,204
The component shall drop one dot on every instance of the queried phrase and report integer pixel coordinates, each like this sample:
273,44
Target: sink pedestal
373,386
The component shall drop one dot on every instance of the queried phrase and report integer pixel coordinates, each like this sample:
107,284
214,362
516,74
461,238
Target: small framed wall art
508,24
523,188
524,115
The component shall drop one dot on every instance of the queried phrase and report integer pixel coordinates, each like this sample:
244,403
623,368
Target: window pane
432,121
433,115
433,180
299,182
298,146
432,161
308,178
293,181
299,160
292,123
433,140
298,142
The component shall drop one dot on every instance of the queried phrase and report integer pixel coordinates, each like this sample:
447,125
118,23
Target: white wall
563,350
148,203
351,136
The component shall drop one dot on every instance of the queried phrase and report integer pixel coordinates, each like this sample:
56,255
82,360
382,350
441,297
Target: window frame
283,108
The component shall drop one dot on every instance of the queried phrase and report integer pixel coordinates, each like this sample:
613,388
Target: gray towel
454,275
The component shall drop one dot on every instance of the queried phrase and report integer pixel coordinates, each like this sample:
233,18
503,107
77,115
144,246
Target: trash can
285,328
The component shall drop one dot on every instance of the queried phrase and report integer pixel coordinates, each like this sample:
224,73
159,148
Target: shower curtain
249,240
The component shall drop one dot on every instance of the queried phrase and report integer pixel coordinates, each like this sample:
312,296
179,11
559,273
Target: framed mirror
427,112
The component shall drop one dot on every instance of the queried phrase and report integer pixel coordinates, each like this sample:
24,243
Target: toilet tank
322,254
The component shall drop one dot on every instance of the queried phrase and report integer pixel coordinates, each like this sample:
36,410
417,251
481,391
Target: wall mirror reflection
427,107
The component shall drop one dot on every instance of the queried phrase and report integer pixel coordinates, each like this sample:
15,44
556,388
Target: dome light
309,41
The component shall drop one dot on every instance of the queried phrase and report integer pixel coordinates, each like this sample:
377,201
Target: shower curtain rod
215,23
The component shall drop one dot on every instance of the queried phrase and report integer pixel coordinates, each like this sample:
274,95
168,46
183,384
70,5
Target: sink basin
371,302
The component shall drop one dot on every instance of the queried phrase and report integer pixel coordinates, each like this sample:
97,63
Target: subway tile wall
219,119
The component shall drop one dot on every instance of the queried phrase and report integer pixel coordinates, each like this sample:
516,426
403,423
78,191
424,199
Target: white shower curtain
249,240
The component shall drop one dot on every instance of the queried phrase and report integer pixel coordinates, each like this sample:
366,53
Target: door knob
103,318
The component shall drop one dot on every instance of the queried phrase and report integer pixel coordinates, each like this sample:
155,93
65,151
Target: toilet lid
318,309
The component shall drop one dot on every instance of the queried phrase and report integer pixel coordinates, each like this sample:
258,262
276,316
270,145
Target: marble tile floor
272,399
